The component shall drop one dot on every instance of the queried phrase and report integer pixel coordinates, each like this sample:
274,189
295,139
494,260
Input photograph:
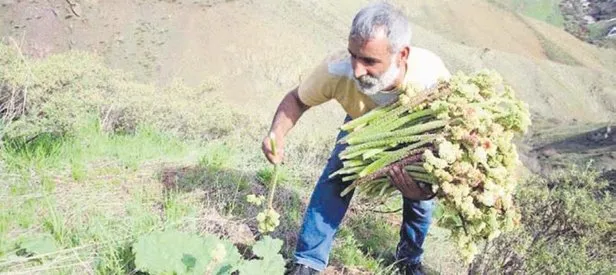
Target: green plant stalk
353,163
391,116
389,126
345,171
371,153
423,177
392,157
391,142
418,129
350,178
383,119
382,186
368,117
274,181
418,176
415,168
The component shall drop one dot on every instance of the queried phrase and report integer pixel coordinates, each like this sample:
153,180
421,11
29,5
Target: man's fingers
398,178
394,176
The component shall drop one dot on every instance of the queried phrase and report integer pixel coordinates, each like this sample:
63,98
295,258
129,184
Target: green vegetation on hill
568,227
91,162
546,10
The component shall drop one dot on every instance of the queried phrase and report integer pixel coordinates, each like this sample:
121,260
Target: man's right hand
289,111
268,152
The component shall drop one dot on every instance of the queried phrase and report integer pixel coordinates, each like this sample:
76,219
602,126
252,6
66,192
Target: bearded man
379,61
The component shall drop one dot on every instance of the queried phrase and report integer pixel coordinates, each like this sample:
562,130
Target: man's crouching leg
417,216
323,215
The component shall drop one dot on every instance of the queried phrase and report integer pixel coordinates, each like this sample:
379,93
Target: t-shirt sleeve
438,71
318,88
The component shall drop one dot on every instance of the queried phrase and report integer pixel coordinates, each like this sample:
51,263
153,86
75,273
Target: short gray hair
382,17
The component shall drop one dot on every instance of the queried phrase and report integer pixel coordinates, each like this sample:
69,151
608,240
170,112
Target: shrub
567,228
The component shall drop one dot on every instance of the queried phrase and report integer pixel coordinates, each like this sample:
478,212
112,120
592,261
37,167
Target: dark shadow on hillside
225,191
598,145
600,138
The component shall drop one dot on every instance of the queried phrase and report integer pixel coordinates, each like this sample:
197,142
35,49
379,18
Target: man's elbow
294,95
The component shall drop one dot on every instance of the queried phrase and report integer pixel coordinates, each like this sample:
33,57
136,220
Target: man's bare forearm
288,113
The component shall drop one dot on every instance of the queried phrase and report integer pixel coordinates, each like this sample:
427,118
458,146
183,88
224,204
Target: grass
78,198
68,188
547,10
348,250
92,194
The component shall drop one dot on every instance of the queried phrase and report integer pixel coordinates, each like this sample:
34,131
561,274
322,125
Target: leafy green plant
174,252
269,262
39,245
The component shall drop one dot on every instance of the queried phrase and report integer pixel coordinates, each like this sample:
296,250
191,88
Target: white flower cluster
459,140
476,162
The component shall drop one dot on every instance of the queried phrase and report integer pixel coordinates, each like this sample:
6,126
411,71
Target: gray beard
370,85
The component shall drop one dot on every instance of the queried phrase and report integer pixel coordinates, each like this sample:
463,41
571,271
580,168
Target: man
379,61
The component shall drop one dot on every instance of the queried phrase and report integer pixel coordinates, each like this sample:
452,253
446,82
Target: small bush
567,228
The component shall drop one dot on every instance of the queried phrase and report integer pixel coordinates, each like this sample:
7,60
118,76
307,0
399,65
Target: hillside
204,78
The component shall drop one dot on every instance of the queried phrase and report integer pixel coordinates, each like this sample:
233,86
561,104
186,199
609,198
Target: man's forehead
375,47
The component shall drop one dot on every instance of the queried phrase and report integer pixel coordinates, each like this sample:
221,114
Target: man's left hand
409,188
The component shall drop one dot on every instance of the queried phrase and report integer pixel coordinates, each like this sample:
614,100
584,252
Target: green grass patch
90,146
545,10
347,251
375,235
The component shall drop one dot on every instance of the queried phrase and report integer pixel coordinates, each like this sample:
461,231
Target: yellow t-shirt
333,79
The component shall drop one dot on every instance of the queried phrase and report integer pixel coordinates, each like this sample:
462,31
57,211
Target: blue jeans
326,210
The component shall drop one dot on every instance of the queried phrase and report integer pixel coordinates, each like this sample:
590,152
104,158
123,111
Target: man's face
375,68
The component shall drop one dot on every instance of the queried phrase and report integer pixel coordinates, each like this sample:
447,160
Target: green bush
567,228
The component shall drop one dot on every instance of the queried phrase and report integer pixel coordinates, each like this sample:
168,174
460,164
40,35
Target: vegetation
457,141
548,11
96,168
568,224
86,190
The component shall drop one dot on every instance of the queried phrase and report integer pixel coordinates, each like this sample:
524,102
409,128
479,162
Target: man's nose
358,69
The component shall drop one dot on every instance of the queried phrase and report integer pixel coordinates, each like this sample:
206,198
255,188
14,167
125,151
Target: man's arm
288,113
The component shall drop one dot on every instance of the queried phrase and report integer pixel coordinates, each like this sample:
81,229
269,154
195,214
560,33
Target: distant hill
258,50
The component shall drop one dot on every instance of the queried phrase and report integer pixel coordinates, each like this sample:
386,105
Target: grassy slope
85,193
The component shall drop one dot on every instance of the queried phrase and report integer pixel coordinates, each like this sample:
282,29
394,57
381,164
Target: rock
240,234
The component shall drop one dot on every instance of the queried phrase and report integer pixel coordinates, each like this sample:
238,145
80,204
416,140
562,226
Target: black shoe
300,269
412,269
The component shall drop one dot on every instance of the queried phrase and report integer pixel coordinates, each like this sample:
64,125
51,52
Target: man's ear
404,53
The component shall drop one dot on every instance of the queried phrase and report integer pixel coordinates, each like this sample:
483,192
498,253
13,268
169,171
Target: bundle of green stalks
456,140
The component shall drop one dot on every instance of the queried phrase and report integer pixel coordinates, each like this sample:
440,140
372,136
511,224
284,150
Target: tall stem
274,180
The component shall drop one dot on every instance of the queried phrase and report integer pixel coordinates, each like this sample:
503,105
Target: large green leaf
174,252
271,261
39,245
